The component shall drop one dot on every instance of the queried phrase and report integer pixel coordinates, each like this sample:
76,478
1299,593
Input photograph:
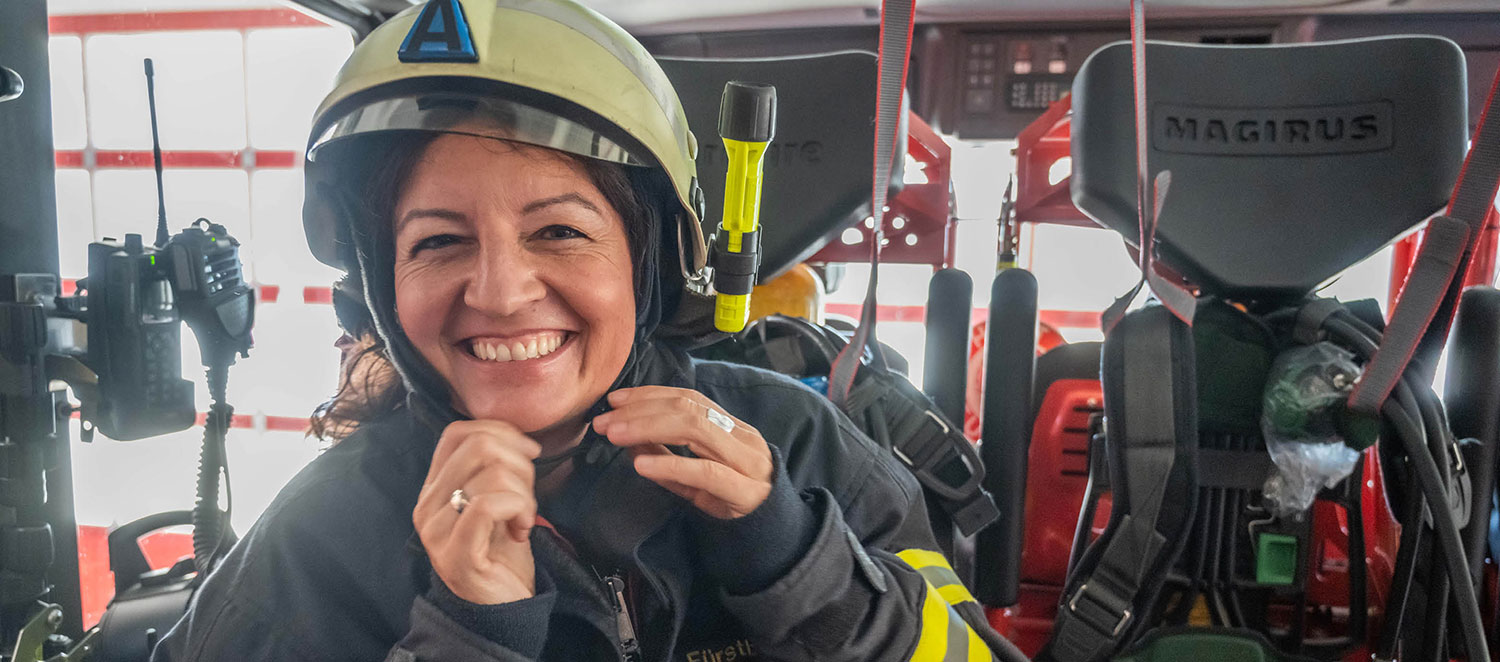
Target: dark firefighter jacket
835,565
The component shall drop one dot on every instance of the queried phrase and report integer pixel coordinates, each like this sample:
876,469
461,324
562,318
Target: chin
530,415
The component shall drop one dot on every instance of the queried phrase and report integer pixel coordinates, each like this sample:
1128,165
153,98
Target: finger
662,398
480,451
619,397
685,423
434,524
739,492
496,478
458,433
489,516
648,449
678,488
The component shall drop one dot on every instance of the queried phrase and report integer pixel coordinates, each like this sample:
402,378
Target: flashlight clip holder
734,273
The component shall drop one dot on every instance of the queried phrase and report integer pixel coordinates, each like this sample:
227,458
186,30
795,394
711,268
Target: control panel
982,83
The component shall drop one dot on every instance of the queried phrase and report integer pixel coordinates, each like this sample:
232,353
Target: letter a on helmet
440,35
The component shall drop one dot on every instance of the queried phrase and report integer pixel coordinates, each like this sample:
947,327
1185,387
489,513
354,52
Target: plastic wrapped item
1301,420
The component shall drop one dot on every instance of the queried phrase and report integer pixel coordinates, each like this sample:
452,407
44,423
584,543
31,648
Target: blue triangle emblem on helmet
440,34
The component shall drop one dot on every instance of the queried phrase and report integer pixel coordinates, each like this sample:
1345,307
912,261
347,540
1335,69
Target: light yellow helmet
551,73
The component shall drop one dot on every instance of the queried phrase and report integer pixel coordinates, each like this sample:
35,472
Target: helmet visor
485,117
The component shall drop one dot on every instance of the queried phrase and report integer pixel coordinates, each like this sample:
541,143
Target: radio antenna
161,197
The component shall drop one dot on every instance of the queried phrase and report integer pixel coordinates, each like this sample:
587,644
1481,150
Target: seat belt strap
896,21
1424,311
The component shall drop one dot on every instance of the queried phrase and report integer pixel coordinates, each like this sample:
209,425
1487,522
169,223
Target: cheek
418,309
605,298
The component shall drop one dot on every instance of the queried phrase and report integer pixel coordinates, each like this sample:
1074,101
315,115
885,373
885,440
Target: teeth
534,347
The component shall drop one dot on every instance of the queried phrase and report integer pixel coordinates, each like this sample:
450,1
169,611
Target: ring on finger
459,500
719,419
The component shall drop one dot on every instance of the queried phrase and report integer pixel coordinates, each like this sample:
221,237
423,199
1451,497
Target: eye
434,242
560,232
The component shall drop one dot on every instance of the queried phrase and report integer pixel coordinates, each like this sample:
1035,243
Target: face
513,279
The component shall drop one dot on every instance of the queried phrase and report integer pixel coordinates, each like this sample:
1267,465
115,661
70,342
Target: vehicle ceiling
647,17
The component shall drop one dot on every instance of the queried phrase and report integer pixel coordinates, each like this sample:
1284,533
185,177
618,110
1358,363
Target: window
235,91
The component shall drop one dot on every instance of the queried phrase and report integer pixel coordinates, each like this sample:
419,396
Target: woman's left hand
731,474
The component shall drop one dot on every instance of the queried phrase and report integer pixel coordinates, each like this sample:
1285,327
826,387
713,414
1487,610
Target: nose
505,280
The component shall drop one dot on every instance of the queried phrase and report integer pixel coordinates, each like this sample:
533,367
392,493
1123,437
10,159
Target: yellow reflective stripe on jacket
945,637
932,646
935,569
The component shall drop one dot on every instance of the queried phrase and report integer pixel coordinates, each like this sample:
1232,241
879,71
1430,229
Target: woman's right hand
483,554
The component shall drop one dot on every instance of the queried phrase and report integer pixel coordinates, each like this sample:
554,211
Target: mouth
526,347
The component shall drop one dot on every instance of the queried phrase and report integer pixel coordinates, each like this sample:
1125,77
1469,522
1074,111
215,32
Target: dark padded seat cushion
1289,162
818,168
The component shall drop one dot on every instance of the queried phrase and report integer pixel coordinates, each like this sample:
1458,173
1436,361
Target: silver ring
716,417
459,500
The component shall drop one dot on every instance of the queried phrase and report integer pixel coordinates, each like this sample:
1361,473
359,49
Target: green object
1234,357
1359,431
1275,559
1217,644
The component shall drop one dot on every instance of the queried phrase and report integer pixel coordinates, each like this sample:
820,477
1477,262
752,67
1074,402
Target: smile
523,348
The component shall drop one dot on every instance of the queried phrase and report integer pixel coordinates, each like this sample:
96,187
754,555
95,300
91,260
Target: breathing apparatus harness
883,404
1157,464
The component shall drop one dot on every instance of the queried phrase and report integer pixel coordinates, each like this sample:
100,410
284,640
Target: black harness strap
936,451
1096,616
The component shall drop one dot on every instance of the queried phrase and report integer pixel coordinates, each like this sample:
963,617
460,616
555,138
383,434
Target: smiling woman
561,480
511,251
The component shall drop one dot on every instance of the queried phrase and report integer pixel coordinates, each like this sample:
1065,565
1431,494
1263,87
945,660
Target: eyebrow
451,215
445,214
558,200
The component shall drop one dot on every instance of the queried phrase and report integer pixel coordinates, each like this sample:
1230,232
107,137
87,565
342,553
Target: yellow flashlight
747,123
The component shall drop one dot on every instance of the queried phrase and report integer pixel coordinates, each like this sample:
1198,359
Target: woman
513,183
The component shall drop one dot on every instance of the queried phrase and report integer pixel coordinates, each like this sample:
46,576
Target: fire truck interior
1230,460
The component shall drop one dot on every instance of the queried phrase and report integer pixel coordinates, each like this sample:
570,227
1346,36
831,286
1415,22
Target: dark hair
368,383
378,169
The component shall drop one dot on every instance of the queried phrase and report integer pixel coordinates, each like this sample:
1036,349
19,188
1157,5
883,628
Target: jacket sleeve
869,583
291,590
220,627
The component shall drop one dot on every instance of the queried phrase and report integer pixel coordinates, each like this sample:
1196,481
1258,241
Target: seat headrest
1289,163
817,170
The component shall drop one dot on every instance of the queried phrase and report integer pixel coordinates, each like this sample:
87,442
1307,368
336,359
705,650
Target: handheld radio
135,295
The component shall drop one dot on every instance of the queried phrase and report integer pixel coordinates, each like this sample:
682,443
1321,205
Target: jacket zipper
630,647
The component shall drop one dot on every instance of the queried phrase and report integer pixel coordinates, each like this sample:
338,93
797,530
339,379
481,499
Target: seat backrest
818,167
1289,162
1068,394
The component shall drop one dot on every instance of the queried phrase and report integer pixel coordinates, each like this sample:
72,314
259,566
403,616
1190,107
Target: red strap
1429,298
896,21
1151,194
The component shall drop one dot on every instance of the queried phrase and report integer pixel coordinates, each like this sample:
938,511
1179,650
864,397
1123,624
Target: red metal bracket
919,221
1039,147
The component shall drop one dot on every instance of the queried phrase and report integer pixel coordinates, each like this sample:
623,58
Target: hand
483,554
731,474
